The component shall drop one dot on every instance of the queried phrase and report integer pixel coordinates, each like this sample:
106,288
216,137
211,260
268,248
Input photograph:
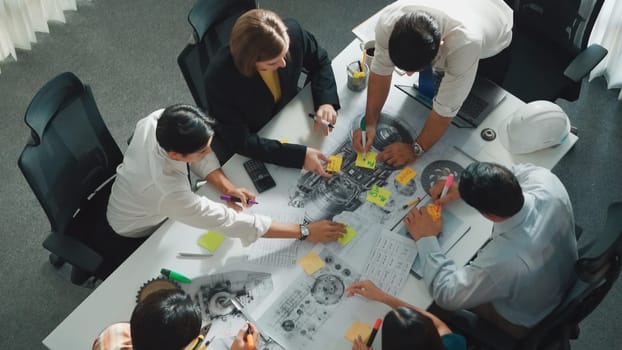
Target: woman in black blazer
252,78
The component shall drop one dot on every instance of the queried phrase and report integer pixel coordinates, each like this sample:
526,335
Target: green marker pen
364,136
175,276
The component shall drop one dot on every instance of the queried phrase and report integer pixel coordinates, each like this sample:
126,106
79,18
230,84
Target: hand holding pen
325,115
445,191
239,198
247,338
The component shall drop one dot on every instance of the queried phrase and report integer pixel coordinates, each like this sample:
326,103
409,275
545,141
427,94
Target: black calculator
258,172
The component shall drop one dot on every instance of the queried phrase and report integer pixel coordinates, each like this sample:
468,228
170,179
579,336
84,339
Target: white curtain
608,33
20,19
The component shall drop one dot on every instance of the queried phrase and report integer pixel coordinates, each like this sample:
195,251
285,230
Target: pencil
363,61
412,202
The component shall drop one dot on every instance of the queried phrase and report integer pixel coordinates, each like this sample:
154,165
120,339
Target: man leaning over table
152,185
449,36
523,271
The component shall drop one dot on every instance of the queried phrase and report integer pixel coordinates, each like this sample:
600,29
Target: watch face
304,230
418,149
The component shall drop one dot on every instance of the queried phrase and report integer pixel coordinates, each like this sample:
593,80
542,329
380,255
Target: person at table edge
451,36
253,77
152,185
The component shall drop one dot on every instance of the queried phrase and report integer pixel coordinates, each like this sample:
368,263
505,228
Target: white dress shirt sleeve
208,164
454,287
201,212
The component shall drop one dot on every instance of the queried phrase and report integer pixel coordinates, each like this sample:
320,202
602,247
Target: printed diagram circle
328,289
220,303
438,170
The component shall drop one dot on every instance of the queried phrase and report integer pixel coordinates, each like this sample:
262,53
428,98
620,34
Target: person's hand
325,112
357,139
398,154
244,195
315,162
366,289
420,224
239,342
452,195
325,231
359,344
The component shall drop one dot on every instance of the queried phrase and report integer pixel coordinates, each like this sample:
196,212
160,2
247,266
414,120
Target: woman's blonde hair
258,35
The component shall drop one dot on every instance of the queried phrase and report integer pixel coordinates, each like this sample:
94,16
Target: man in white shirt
451,36
152,185
524,270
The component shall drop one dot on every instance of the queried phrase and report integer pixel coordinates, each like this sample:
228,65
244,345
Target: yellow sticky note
334,164
311,263
406,175
378,195
358,328
435,211
283,141
350,234
368,162
211,240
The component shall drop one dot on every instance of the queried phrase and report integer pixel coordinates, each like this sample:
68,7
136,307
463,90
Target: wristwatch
419,151
304,232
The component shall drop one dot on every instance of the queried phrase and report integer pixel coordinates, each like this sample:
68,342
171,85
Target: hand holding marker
324,122
235,199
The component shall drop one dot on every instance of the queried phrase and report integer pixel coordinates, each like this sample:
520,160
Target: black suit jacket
242,105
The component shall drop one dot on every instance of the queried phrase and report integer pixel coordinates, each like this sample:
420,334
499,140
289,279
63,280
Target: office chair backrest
211,22
568,23
597,270
70,152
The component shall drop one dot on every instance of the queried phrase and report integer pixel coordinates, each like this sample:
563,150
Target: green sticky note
350,234
378,195
211,240
368,162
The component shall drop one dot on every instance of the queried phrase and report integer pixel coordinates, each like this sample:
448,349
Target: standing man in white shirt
451,36
524,270
152,185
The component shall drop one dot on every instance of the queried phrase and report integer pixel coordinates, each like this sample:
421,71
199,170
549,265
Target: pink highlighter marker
448,182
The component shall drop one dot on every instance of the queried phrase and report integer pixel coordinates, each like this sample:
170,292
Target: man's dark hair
491,189
184,129
165,320
414,41
405,328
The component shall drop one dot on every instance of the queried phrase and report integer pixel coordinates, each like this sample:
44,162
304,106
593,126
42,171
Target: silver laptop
483,98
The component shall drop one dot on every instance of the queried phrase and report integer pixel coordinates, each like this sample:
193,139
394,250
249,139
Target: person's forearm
377,92
219,180
283,230
434,128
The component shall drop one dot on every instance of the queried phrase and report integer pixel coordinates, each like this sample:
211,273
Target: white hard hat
536,125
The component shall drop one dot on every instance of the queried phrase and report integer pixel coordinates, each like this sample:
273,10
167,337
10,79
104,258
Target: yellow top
271,78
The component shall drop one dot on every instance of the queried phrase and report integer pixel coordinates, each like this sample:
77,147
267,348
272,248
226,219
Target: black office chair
70,162
549,53
597,269
211,22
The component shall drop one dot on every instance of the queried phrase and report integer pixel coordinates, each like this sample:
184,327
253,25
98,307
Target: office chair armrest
480,331
73,251
585,62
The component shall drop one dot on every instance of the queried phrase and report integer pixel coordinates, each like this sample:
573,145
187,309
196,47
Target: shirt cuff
261,224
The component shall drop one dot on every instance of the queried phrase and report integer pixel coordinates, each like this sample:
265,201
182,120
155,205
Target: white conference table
114,300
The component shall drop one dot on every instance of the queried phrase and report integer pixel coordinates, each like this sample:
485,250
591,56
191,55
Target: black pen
314,117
